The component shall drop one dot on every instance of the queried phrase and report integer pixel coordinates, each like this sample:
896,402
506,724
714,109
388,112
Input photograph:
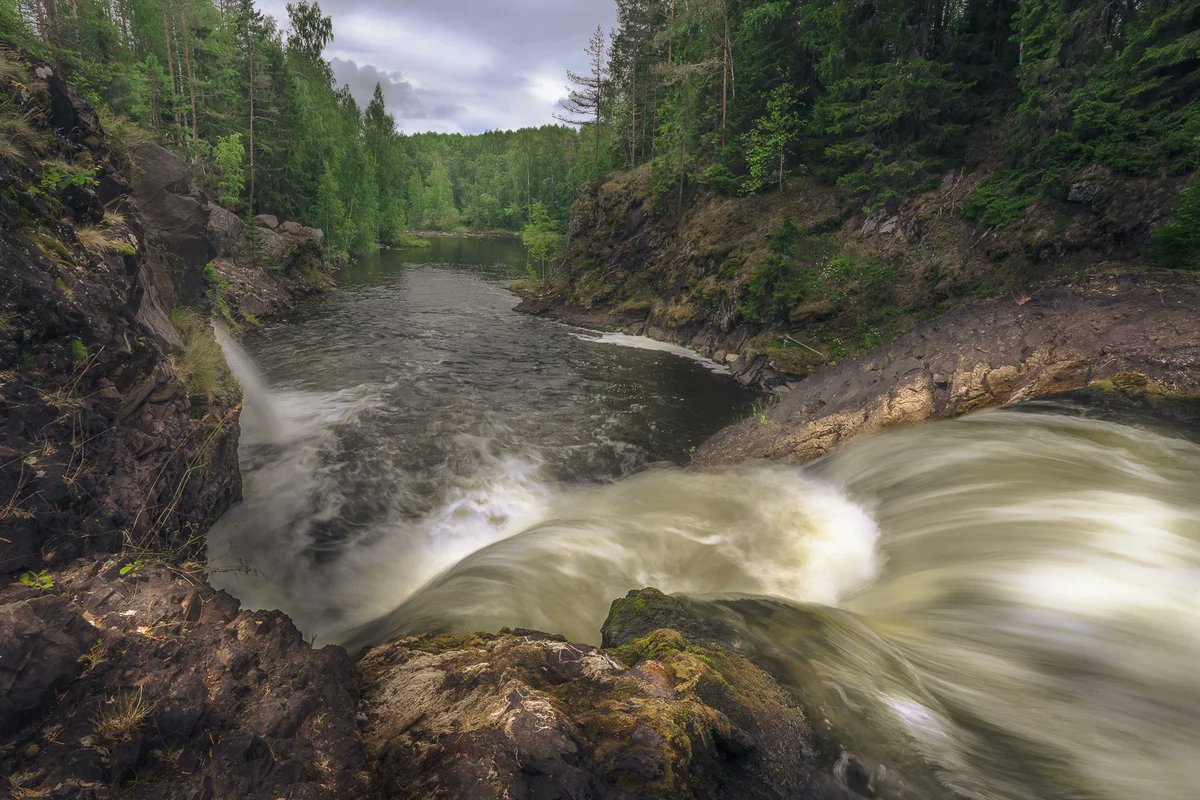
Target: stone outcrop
102,443
178,243
125,679
1138,333
264,269
525,715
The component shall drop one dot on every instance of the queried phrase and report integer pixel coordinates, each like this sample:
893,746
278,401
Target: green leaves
42,580
542,239
230,156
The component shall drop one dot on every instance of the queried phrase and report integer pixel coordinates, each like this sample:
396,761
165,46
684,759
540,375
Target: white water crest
646,343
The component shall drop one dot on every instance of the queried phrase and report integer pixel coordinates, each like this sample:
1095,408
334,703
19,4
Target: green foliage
804,268
999,200
542,239
78,350
57,176
788,276
230,156
769,142
131,569
1176,244
41,580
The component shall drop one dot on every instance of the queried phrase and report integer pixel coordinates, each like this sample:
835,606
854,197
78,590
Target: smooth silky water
1001,606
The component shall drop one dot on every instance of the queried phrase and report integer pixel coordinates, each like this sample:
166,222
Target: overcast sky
461,66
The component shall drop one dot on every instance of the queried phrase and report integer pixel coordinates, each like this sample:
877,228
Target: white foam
646,343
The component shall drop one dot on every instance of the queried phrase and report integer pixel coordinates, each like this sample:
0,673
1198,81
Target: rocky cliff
105,443
784,284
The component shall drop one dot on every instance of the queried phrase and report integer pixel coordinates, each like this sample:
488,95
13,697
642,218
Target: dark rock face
1137,333
101,443
525,715
176,214
150,684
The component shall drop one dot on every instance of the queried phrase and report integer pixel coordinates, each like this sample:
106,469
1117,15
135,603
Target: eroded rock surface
1135,332
526,715
127,679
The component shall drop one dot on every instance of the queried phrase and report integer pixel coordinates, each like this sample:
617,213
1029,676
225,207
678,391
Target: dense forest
881,98
256,110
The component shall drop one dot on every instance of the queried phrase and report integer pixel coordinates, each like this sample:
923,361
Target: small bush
202,366
999,200
1176,244
78,350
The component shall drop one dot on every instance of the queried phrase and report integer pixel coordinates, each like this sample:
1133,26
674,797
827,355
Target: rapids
1002,606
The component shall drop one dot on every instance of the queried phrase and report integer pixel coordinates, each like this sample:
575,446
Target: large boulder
525,715
176,216
226,229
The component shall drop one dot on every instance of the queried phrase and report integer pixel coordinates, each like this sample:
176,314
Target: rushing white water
1004,607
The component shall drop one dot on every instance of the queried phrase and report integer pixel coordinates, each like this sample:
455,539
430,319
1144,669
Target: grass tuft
122,716
202,366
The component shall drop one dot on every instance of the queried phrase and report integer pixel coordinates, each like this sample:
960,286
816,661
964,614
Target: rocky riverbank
1135,334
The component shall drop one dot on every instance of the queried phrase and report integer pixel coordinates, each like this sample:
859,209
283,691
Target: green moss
62,287
78,350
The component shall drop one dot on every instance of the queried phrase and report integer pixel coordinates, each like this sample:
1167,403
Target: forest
255,109
880,98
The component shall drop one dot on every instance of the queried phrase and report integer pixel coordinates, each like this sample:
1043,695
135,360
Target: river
1001,606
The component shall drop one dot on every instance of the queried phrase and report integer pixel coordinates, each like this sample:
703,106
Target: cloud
460,65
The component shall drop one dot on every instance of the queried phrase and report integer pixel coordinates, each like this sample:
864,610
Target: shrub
1176,244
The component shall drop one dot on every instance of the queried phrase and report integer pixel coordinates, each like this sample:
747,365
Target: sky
460,66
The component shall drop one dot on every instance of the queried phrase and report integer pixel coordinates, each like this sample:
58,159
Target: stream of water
1003,606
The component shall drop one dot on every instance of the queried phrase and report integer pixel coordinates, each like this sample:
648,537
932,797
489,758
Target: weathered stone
226,229
524,715
176,216
221,715
1062,338
269,221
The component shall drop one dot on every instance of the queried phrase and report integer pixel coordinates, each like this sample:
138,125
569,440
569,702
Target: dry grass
122,716
17,133
101,242
114,219
202,366
11,70
94,657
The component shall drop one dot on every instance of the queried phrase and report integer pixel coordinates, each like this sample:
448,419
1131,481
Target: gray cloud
460,65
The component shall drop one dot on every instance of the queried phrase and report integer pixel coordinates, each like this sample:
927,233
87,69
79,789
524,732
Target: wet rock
524,715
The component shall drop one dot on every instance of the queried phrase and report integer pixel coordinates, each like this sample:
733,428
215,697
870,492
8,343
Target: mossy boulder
522,715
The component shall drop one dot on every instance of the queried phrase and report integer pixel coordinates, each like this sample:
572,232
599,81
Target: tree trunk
191,81
250,149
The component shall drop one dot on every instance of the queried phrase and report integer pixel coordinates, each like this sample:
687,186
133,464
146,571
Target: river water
1002,606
